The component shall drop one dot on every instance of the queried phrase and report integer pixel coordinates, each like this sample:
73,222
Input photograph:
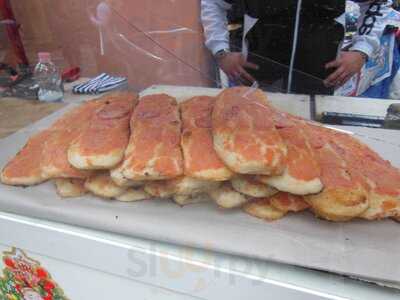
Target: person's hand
234,64
346,65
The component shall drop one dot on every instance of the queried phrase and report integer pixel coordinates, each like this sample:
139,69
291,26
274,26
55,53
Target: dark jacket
311,9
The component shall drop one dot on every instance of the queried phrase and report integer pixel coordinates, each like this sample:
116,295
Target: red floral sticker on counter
25,279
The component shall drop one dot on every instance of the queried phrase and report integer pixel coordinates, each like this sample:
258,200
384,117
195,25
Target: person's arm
365,42
371,25
215,24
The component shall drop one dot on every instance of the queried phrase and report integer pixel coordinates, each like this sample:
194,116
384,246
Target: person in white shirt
269,35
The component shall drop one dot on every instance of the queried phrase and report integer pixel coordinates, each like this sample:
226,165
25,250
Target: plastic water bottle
48,79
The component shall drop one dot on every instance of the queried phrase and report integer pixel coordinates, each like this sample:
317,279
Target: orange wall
135,34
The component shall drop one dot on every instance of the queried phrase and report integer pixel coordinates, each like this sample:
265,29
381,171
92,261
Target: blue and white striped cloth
99,84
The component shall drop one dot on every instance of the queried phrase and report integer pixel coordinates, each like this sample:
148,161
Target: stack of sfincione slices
234,149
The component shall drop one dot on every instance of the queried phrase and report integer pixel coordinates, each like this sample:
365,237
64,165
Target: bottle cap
44,56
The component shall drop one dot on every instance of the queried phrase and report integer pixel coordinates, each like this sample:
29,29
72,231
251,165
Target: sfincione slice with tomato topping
154,151
250,186
244,133
182,189
343,197
183,200
54,162
288,202
118,177
70,187
101,144
276,206
25,167
226,197
302,173
380,178
64,132
384,193
101,184
46,152
200,159
132,195
263,209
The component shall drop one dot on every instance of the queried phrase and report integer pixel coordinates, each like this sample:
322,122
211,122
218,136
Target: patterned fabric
371,26
99,84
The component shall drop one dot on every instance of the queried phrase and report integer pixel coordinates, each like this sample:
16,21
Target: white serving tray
360,248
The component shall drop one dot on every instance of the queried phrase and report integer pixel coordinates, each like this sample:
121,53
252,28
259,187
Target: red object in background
6,14
71,74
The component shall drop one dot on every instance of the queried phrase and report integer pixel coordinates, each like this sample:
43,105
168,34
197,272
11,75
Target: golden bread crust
154,148
244,135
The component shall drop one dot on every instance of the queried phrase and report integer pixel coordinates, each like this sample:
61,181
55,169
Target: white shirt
215,24
214,19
